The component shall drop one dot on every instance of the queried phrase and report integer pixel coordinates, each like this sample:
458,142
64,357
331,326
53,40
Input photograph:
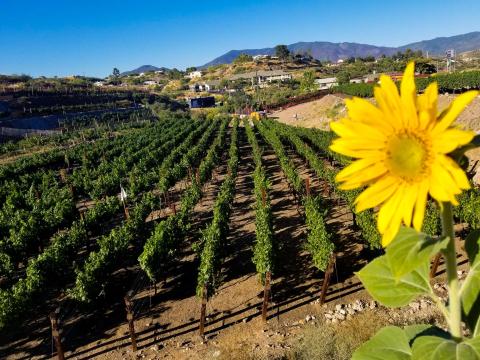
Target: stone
328,316
414,306
350,311
338,307
216,353
308,318
343,311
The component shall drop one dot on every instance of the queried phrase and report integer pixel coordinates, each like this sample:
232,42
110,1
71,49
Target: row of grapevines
365,220
161,246
286,163
319,242
53,263
112,249
30,217
215,234
179,169
264,250
468,209
114,246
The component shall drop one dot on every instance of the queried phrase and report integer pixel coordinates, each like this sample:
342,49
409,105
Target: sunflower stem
452,278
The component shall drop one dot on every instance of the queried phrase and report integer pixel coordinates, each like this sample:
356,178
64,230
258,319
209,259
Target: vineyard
191,226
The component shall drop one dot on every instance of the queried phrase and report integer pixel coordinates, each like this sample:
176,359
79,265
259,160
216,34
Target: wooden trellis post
326,279
56,335
203,311
434,268
307,185
266,295
131,325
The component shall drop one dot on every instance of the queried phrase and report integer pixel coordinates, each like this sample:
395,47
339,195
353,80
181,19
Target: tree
343,77
282,52
190,69
116,73
307,83
242,58
175,74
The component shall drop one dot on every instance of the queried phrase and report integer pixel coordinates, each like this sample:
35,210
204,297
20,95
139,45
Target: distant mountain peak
324,50
144,69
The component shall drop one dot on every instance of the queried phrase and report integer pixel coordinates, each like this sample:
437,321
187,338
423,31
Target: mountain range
323,50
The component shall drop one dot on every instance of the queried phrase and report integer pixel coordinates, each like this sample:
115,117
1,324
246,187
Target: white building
150,83
327,83
261,57
98,83
356,81
263,76
194,74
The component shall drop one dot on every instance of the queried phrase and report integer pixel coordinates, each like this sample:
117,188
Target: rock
436,286
358,306
343,311
373,304
216,353
328,316
350,311
340,317
338,307
414,306
155,348
244,320
308,318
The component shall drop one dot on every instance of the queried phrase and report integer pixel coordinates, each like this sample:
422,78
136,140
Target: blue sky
85,37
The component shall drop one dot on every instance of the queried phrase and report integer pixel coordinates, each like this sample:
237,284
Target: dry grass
338,342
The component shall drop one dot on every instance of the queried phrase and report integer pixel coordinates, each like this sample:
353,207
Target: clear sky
86,37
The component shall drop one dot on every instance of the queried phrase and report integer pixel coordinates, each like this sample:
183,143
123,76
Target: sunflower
401,148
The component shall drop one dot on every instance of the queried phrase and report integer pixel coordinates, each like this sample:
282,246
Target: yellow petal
442,186
342,148
427,106
408,203
389,101
363,177
450,139
389,210
355,129
376,194
408,96
455,171
449,115
420,205
390,233
364,111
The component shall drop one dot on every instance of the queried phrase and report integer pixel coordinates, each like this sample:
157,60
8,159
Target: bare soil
167,319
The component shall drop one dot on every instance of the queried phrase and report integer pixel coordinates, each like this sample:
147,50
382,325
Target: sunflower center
407,156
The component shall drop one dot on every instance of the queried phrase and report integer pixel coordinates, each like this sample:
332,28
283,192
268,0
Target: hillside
334,51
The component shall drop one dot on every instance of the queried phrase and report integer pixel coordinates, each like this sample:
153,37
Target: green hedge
453,82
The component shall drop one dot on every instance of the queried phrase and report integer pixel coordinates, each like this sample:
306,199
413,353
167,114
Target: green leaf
472,244
390,343
470,291
438,348
410,249
378,279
